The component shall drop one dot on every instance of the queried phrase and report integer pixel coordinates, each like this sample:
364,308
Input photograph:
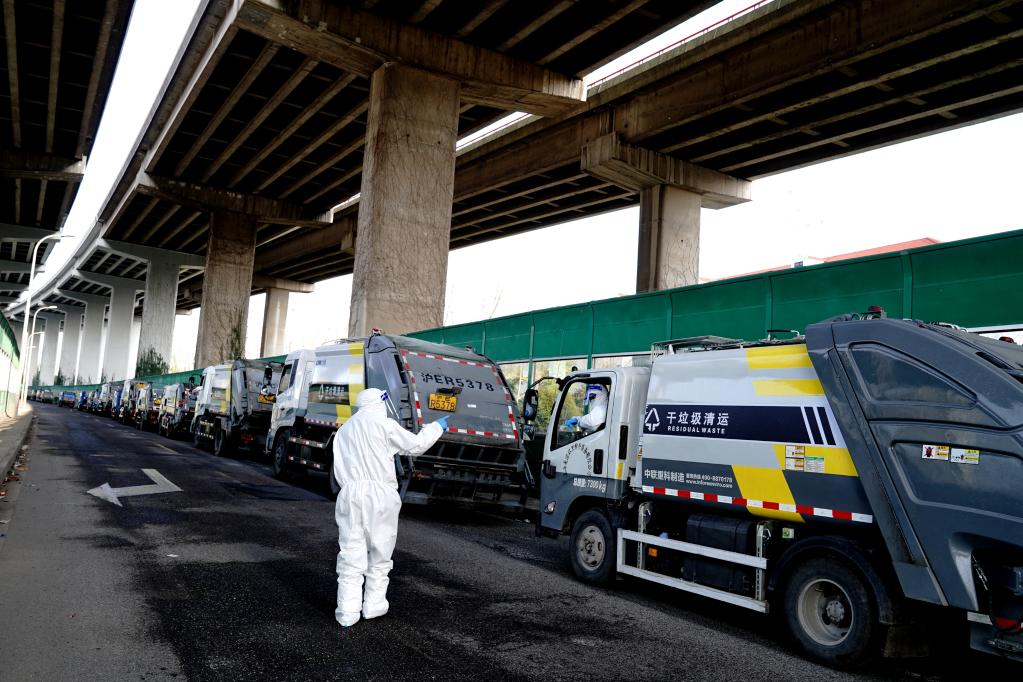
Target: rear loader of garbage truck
859,484
232,409
479,460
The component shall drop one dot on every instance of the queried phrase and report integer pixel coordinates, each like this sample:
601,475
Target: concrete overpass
261,128
57,62
274,117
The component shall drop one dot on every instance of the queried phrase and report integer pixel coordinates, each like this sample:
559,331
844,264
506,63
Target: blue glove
572,422
443,421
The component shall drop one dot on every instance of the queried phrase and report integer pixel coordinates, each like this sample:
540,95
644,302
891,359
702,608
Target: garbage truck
129,401
232,409
177,408
859,482
479,460
147,406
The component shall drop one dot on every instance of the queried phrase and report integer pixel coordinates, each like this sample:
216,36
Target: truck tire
279,456
222,443
831,613
593,549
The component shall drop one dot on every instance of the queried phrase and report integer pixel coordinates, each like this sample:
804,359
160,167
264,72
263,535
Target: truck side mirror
530,405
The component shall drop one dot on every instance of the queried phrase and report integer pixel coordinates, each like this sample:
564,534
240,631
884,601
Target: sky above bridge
954,185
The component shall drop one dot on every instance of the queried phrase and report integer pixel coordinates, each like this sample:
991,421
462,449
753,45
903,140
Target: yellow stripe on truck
344,412
778,357
782,387
757,483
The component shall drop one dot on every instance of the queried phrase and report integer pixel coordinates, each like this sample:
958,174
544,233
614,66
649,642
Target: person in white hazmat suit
368,504
596,397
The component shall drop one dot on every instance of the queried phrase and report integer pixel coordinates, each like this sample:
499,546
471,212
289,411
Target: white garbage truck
858,482
232,409
479,460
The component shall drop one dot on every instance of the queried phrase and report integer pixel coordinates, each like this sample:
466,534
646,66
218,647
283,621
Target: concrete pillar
48,357
92,339
227,282
68,365
404,227
158,311
116,350
275,318
133,350
669,238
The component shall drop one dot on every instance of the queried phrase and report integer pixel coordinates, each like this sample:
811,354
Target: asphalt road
232,578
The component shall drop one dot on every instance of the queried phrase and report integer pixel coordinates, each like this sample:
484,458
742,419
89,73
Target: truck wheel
221,443
279,456
831,614
593,548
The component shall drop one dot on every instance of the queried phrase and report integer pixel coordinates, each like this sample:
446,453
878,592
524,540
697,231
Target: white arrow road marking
160,485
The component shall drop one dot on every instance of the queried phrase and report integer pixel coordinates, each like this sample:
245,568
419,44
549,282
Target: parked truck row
861,482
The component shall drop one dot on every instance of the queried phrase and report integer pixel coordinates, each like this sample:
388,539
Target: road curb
12,439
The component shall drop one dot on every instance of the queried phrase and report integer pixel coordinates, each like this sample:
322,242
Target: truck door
577,459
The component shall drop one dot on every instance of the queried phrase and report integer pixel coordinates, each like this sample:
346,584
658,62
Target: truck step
686,585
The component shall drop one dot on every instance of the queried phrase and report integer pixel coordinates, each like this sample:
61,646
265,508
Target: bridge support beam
48,352
275,318
404,224
159,309
68,365
671,192
92,334
669,238
224,309
118,347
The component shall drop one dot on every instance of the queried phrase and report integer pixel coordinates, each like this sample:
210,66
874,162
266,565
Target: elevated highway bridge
279,114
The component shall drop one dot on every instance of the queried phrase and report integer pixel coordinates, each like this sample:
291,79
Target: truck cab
582,466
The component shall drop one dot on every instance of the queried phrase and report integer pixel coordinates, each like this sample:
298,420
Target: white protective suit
591,421
368,504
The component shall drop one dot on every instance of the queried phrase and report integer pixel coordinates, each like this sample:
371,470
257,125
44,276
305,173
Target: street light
28,308
35,316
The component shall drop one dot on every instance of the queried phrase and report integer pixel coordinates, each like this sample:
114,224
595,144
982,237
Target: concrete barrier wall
9,364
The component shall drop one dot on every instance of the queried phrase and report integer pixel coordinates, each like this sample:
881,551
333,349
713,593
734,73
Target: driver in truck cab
596,399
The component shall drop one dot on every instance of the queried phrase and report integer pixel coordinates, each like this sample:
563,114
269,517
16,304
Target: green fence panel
630,325
978,284
562,332
508,338
803,296
734,309
432,335
465,335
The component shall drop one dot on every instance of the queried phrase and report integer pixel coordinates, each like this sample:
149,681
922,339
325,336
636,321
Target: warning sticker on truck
936,452
962,456
796,459
947,453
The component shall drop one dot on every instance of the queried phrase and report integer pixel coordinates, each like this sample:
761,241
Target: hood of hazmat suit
368,504
597,414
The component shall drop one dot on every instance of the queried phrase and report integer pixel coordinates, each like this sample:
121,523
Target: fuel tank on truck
748,429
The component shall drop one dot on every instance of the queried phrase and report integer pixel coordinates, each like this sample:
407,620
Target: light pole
22,380
35,316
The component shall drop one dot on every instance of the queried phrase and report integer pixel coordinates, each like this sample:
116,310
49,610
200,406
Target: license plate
443,403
